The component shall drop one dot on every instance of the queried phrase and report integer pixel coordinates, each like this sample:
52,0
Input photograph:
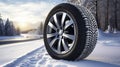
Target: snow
9,37
21,37
11,52
31,35
109,38
105,54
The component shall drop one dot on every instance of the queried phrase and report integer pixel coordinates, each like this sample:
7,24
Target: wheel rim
61,32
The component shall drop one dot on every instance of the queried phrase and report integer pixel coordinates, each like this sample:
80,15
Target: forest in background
106,12
7,28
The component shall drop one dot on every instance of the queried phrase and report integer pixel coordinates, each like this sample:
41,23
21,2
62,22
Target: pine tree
13,30
1,26
9,28
40,29
18,31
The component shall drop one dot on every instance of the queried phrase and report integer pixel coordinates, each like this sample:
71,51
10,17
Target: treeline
38,30
7,28
107,12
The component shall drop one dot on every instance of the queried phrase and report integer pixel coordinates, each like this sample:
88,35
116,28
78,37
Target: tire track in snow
37,58
29,59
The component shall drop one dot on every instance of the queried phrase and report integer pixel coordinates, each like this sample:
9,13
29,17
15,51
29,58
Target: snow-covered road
10,52
106,54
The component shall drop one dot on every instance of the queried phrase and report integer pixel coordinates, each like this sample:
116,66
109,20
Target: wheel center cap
60,32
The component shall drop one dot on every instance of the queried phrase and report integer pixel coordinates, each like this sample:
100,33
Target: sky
26,13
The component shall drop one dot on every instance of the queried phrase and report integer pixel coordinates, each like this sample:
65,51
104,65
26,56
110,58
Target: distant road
8,41
15,39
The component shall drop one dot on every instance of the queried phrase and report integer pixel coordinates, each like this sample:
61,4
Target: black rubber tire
86,29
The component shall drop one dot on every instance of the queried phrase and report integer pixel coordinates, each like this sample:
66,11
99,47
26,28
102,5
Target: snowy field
105,54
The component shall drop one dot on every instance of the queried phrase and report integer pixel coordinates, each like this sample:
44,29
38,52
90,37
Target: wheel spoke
51,35
63,18
52,26
60,29
64,45
56,21
68,23
52,42
72,37
59,45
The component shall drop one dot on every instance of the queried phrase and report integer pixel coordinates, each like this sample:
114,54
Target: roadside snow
9,37
31,35
109,39
20,37
106,54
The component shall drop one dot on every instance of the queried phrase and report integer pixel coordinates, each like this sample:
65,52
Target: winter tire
70,32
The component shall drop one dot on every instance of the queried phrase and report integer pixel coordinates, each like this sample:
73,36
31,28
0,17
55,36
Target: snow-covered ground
31,35
9,37
11,52
21,37
105,54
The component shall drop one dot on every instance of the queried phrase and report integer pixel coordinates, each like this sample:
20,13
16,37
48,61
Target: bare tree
115,11
78,2
118,14
107,12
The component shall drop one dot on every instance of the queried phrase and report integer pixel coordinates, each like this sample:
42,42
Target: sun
23,26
